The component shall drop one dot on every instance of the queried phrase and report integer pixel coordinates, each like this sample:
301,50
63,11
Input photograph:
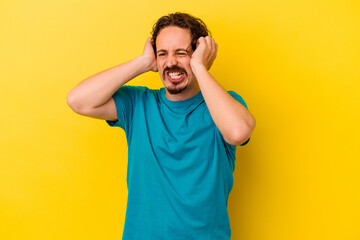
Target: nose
171,60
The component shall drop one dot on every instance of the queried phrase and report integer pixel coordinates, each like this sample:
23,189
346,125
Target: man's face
173,46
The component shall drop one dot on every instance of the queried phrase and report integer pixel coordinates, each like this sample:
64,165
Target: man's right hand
93,96
149,56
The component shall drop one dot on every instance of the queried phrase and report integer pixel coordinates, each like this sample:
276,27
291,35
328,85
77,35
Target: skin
93,96
232,118
174,52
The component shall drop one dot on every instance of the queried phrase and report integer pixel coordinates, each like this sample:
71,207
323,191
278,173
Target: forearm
232,119
99,88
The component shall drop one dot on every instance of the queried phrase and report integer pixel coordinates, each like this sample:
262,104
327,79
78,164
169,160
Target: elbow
242,133
73,103
238,137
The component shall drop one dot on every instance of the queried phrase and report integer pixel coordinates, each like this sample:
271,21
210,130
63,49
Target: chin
174,91
175,88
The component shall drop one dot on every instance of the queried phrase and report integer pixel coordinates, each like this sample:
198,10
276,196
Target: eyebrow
177,50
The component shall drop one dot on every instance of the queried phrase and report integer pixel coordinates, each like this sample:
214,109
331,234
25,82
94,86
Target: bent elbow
240,134
73,103
70,100
238,137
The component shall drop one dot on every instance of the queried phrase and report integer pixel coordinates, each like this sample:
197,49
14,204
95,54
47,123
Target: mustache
174,68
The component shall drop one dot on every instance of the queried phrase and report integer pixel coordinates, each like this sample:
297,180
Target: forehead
172,38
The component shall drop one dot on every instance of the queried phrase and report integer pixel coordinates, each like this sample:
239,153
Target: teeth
175,75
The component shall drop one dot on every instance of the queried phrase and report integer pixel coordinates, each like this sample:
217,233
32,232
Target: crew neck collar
183,103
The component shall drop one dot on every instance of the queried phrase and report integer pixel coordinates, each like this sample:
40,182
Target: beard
173,89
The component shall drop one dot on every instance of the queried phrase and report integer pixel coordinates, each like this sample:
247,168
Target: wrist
198,68
148,64
142,64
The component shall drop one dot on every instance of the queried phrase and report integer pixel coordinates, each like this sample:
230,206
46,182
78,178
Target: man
181,138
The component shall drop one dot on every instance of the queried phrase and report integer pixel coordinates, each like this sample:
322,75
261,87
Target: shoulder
136,91
137,95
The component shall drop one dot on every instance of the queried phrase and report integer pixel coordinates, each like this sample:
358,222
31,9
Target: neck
189,92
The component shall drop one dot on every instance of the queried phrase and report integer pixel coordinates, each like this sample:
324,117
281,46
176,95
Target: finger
208,41
216,49
148,42
201,40
213,47
213,53
213,43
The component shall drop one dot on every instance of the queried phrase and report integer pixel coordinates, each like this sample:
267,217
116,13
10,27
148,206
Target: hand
205,53
149,56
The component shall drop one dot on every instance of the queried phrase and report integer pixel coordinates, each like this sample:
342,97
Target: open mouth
175,76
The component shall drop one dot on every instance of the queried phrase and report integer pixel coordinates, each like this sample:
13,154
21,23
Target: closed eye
181,53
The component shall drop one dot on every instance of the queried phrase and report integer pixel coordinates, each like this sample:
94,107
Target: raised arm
93,96
232,119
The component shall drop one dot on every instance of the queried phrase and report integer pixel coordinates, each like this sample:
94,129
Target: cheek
160,68
186,63
187,67
160,64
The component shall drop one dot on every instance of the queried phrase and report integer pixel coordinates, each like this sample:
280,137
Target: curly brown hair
183,20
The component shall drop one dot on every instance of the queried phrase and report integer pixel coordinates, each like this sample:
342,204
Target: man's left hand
205,53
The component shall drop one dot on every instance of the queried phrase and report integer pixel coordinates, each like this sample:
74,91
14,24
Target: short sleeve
242,101
124,98
238,98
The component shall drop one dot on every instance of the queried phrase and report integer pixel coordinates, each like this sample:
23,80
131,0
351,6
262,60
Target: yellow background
296,64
